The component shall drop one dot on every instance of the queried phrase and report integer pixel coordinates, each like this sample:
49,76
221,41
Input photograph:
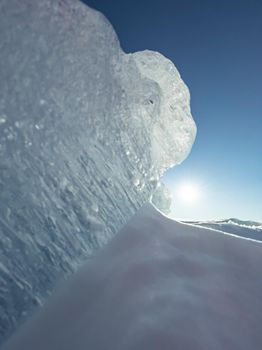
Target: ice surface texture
158,284
162,198
85,133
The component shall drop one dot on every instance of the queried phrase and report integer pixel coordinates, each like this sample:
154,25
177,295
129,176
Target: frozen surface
158,284
248,229
85,133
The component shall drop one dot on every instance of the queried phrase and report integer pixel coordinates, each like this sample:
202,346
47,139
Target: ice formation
162,198
158,284
85,133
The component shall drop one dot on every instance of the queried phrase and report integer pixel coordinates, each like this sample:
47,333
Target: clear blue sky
217,47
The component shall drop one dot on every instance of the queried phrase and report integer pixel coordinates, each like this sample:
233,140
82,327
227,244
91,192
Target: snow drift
158,284
85,133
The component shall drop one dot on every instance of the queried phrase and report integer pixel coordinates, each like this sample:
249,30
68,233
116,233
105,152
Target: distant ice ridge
86,131
247,229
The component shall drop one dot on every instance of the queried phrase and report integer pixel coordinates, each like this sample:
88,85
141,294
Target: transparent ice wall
85,133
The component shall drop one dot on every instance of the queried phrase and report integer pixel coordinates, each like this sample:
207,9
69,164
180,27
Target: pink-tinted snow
158,285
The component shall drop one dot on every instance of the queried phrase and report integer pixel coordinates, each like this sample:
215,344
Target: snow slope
159,284
85,133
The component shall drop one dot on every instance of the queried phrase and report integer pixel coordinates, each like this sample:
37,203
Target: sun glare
188,192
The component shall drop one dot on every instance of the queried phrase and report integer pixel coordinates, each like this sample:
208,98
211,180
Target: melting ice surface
86,131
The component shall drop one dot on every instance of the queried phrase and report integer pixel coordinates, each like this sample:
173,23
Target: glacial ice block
85,133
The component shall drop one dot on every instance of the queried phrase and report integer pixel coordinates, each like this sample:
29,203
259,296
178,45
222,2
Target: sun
188,192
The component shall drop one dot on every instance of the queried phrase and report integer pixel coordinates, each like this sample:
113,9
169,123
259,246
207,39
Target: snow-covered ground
159,284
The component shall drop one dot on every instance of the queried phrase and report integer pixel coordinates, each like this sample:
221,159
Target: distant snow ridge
85,133
247,229
243,223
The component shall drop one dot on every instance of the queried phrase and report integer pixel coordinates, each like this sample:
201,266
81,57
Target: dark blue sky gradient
217,47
